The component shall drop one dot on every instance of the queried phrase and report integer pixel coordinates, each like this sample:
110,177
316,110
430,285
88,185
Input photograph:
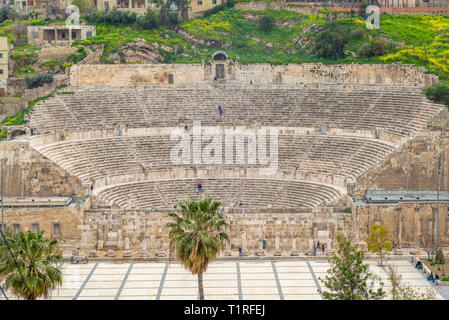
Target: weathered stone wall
18,87
308,74
69,218
10,106
125,74
55,53
405,221
28,173
413,167
104,229
108,229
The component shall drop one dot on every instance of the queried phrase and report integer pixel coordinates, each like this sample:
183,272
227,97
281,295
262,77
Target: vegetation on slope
266,36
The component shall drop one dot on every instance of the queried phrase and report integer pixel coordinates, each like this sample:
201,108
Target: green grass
51,64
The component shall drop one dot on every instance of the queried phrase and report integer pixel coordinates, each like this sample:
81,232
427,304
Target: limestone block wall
405,221
293,74
351,74
108,229
28,173
69,218
412,167
125,74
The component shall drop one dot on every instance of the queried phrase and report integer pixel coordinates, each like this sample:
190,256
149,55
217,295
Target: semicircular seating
400,110
301,155
236,192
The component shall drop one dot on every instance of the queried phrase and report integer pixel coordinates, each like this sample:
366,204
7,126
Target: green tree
37,258
331,41
376,47
378,241
82,5
266,23
348,278
362,8
438,93
197,235
439,259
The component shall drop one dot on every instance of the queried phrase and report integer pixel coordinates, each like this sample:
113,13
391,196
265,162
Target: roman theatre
357,145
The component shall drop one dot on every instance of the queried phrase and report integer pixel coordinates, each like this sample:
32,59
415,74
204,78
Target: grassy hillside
421,40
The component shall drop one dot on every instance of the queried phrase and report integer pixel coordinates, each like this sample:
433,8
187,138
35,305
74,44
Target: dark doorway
219,71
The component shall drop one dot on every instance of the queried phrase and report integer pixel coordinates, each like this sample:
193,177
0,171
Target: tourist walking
220,110
322,248
200,187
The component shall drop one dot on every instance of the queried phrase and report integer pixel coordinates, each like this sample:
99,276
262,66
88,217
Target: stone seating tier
400,110
301,155
249,193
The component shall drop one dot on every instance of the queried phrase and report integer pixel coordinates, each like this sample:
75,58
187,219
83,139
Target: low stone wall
293,74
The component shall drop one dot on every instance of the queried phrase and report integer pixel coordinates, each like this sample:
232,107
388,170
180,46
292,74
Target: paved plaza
224,280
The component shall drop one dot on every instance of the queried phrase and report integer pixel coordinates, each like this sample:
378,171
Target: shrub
149,20
438,93
362,6
38,80
3,134
331,40
50,64
266,23
377,47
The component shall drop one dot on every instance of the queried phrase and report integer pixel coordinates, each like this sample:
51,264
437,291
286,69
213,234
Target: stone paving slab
258,280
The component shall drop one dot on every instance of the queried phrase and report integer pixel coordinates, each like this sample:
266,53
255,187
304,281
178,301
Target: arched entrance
219,67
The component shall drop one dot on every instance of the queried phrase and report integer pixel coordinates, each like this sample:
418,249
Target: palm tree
197,235
33,271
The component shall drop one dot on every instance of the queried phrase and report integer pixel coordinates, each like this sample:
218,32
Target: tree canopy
349,278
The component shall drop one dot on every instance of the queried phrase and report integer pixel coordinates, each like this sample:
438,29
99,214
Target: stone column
120,240
144,248
100,237
244,249
294,250
127,251
228,248
260,251
277,251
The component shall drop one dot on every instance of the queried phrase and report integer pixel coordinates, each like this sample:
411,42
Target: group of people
431,277
319,247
